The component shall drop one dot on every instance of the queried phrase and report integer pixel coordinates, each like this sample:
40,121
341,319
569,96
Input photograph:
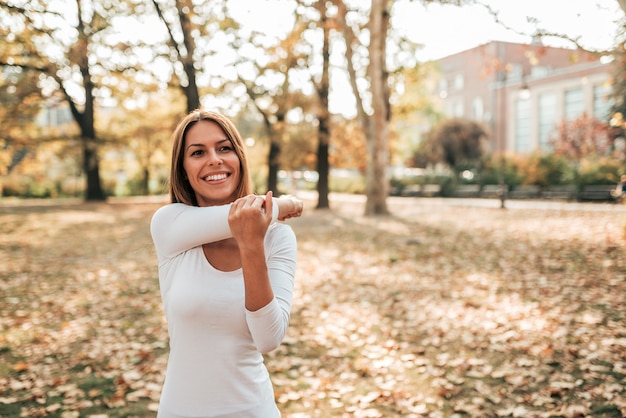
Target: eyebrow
220,141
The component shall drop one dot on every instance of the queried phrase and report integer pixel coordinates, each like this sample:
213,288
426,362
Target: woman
226,272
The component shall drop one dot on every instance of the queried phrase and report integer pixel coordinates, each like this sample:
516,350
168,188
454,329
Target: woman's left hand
249,218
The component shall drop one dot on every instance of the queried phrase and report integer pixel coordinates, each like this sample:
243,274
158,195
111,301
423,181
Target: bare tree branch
542,33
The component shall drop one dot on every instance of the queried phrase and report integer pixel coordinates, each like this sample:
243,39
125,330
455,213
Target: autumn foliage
455,142
439,310
582,137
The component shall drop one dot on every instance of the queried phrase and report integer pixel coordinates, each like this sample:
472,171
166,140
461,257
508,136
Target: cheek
188,168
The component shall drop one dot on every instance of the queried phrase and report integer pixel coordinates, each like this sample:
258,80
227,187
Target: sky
445,30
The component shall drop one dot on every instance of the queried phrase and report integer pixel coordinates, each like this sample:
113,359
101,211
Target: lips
216,177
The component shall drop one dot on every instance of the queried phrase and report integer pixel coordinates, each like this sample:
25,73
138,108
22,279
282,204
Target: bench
411,190
421,190
430,190
466,190
525,192
491,190
563,191
599,192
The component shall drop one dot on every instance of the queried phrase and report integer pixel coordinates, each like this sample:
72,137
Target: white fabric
215,367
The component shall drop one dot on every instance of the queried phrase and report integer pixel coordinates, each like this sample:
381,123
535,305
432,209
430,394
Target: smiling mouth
216,177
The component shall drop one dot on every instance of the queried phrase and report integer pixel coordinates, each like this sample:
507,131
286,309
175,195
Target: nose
214,158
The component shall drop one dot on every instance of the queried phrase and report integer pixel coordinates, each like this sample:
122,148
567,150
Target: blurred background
448,98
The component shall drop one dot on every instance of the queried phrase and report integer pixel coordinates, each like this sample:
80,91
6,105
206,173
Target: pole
502,138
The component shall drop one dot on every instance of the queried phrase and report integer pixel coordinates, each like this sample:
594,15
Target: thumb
269,204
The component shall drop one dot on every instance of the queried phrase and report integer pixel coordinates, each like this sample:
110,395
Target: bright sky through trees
442,30
446,30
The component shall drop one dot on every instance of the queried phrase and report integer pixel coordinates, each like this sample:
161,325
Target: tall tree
375,121
323,115
378,126
268,74
182,46
66,62
197,32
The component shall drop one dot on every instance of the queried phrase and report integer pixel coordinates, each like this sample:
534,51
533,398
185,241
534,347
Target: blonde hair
180,188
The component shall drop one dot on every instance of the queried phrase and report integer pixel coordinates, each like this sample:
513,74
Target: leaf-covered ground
440,310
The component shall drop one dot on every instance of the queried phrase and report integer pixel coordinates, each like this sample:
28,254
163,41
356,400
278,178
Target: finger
257,202
269,204
249,201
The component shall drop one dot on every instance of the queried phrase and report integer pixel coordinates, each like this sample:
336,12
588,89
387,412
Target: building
522,91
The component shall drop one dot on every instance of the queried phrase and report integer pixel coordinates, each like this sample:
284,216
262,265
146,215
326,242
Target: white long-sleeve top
215,367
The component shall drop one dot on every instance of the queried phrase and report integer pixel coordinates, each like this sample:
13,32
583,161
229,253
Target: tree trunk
273,167
377,133
323,115
145,181
323,169
191,88
276,132
91,167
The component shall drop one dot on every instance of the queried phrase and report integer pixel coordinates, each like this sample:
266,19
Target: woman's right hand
289,207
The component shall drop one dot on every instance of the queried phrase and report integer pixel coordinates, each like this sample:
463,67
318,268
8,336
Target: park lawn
436,311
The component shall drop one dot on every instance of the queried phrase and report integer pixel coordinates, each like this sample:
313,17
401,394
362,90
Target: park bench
466,190
525,192
431,190
422,190
411,190
562,191
598,192
491,190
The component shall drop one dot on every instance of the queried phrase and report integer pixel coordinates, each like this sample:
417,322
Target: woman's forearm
258,290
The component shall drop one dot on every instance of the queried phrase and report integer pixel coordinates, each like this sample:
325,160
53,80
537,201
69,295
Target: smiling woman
226,273
211,164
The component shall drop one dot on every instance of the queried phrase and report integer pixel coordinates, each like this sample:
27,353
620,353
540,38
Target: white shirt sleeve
177,227
269,324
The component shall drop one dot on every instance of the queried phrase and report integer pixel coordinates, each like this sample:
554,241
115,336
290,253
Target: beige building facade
522,92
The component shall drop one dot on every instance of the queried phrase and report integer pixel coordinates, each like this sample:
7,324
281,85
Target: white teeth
215,177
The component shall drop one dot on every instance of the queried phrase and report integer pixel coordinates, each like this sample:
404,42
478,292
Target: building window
574,104
459,82
442,88
478,108
458,111
522,126
602,102
547,120
443,85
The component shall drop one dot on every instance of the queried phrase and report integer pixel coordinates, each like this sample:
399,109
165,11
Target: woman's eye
196,152
225,149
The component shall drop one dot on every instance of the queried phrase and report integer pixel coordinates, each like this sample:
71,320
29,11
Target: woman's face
211,164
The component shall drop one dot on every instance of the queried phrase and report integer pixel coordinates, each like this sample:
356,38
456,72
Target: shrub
546,170
347,184
490,173
599,171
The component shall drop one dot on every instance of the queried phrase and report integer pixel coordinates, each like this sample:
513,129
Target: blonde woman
226,273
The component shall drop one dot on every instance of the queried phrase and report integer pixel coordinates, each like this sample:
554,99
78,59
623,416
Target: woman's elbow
268,345
270,341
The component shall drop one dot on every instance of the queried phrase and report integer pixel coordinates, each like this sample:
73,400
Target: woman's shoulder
169,208
167,212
